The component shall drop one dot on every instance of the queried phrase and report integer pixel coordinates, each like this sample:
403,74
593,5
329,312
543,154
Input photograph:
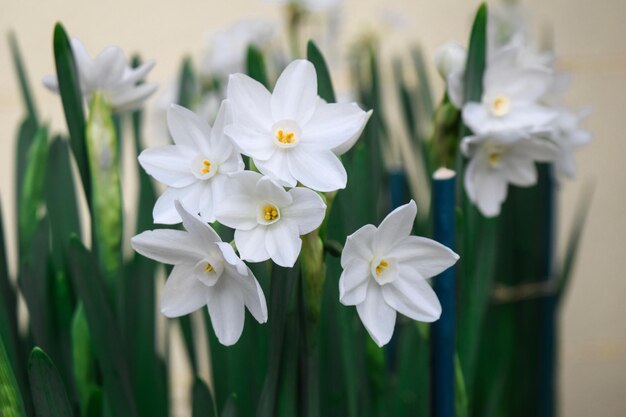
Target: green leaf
26,135
187,84
83,361
108,342
49,394
72,99
106,209
202,401
61,201
255,64
32,195
324,81
11,404
424,89
573,242
27,97
476,57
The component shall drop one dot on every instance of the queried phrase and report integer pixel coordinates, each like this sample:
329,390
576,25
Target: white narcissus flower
568,135
449,58
110,74
510,97
292,135
268,220
385,271
195,168
499,160
206,272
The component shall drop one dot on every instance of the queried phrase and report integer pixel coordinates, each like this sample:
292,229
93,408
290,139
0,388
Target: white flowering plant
319,259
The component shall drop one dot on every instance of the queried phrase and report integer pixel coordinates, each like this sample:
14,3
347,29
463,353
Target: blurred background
589,40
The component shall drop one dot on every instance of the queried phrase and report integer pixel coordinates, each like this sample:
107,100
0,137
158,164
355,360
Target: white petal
455,88
229,255
255,143
360,245
134,75
109,66
295,95
238,211
397,225
167,246
411,295
277,168
307,210
243,183
253,296
333,125
377,316
188,129
268,190
201,232
353,282
183,293
131,98
426,256
490,188
250,102
227,311
519,171
319,170
170,164
283,242
251,244
51,83
540,150
164,211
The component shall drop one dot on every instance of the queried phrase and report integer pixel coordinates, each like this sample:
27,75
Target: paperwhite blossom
510,98
568,135
316,5
195,167
269,220
206,272
226,52
292,135
497,160
109,74
385,271
449,58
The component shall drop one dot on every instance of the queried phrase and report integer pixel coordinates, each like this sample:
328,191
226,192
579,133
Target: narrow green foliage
11,404
565,271
32,195
25,137
202,401
187,84
49,395
108,343
476,57
461,401
72,99
424,88
82,358
20,69
106,209
255,65
324,81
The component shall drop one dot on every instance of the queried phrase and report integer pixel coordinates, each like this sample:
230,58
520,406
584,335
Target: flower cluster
293,140
109,74
519,120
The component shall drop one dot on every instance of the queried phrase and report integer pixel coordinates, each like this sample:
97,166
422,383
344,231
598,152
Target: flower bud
450,57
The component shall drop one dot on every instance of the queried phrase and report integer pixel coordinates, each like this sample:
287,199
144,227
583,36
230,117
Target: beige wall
589,35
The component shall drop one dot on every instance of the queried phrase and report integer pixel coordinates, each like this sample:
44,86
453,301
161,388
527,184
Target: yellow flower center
206,167
270,213
208,268
500,105
381,267
494,158
285,137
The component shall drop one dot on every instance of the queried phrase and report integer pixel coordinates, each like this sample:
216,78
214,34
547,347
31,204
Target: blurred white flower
226,52
292,135
510,98
269,220
315,5
450,58
568,135
499,159
206,272
109,74
195,168
385,271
